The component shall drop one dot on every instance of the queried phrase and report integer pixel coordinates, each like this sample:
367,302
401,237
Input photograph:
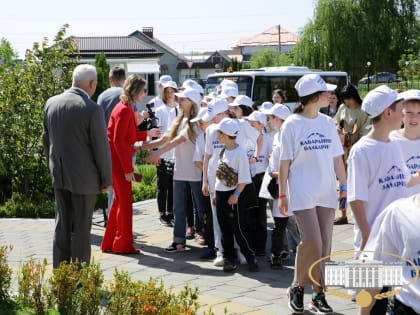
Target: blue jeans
181,189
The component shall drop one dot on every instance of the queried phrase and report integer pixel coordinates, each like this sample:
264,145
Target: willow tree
348,33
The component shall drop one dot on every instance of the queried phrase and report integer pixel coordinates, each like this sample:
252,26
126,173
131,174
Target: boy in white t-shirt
373,184
409,136
232,161
215,113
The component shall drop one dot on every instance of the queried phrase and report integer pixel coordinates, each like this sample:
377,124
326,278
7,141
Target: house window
164,70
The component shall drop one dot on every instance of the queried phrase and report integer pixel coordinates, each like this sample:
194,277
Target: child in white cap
310,162
230,214
409,136
377,171
182,136
215,113
257,218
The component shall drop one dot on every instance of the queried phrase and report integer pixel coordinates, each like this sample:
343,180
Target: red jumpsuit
122,133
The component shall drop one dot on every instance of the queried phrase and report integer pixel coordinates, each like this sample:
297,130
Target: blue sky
185,25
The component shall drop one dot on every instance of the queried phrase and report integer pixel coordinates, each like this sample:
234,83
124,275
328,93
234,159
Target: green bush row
19,206
79,289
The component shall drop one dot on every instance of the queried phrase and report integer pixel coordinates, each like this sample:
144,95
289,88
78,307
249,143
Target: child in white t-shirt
257,219
231,178
187,179
310,162
215,113
374,184
409,136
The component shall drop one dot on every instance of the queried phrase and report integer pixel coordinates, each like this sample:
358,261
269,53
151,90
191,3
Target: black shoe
170,217
229,266
164,220
275,262
253,264
295,295
319,304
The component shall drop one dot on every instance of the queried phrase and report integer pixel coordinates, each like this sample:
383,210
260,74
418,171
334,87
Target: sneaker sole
314,310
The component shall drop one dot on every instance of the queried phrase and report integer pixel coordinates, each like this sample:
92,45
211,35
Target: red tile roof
270,37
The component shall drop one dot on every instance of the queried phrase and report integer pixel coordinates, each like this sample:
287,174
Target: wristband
237,192
343,188
281,196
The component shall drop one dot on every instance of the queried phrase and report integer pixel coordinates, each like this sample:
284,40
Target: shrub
148,298
5,275
20,207
32,286
64,282
146,189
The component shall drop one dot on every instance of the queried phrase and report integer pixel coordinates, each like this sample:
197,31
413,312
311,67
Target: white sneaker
218,261
353,294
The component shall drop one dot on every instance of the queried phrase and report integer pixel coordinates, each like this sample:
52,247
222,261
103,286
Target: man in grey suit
75,144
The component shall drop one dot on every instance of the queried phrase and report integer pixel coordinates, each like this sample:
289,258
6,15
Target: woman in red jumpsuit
122,134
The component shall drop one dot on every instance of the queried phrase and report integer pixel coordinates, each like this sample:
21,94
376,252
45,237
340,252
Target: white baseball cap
229,127
192,94
410,95
265,107
279,110
216,106
229,91
228,83
189,83
242,100
170,84
200,115
165,78
257,116
312,83
379,99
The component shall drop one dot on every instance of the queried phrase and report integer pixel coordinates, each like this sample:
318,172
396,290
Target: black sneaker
295,296
253,264
164,220
319,304
229,266
275,262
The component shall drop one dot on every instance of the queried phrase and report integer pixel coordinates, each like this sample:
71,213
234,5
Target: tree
268,58
348,33
46,71
7,54
102,70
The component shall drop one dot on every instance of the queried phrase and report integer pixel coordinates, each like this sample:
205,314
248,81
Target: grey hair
83,73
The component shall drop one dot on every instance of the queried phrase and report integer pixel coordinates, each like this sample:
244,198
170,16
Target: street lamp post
406,74
368,64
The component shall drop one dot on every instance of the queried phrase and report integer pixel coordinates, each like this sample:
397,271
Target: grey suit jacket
75,143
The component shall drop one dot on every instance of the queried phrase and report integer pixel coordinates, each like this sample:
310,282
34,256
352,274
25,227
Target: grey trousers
73,222
316,227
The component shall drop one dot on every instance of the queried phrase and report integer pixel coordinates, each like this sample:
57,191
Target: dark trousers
380,306
401,309
208,222
164,189
278,234
73,222
232,223
257,219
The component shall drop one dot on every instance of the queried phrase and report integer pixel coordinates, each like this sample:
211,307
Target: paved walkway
242,292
